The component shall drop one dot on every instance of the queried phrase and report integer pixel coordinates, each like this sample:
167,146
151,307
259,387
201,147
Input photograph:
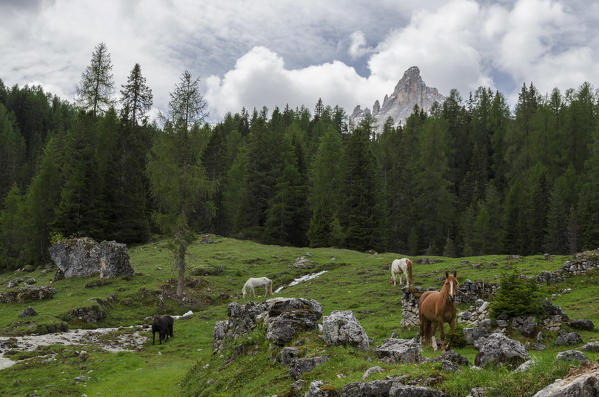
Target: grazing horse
258,282
436,308
164,326
402,265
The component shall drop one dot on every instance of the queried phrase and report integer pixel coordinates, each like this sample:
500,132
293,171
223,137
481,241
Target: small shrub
459,340
516,296
57,237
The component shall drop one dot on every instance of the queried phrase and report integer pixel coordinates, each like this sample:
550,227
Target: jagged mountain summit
410,90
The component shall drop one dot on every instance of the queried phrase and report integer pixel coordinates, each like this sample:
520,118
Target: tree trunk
181,265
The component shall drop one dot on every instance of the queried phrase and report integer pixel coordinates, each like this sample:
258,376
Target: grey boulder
473,334
498,349
591,347
288,354
29,312
342,328
568,338
583,324
84,257
572,355
394,350
299,366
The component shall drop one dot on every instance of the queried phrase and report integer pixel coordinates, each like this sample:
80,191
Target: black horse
164,326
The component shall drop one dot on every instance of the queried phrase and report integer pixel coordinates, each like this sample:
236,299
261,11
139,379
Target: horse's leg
422,328
153,336
265,290
432,335
442,334
393,277
452,327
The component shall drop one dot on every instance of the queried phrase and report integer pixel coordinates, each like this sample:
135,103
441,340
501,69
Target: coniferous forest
470,177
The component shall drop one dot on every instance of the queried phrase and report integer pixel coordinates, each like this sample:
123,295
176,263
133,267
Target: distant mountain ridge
410,90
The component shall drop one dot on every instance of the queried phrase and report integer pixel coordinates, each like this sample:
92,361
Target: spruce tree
285,208
41,202
12,151
12,235
362,208
326,187
434,200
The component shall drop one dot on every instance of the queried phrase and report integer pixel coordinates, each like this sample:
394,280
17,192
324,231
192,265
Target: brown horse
436,308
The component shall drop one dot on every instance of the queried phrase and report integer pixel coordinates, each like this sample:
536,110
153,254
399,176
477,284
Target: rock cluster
387,387
84,257
553,317
283,318
342,328
25,294
302,262
477,314
581,264
409,306
89,314
392,387
16,281
470,291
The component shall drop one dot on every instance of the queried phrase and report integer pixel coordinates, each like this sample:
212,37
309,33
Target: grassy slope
355,281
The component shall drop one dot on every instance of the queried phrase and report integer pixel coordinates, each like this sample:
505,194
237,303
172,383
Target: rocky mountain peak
410,90
410,76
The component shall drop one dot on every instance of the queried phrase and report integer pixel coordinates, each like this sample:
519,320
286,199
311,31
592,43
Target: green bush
516,296
459,340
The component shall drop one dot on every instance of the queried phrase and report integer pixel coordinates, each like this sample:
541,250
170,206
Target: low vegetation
185,365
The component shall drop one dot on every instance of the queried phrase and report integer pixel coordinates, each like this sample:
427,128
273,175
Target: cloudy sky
255,53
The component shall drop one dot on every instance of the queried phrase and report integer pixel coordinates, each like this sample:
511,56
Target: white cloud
357,47
265,53
261,78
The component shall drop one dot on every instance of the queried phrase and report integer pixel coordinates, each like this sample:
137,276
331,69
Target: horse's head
451,283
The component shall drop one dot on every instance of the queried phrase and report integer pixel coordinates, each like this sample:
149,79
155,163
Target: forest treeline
469,177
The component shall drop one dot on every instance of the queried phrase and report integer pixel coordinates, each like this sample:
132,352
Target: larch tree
178,180
136,97
97,85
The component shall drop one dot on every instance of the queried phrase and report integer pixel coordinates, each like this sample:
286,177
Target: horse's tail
270,286
409,263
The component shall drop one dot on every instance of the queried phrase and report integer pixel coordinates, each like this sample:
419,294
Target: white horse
403,265
258,282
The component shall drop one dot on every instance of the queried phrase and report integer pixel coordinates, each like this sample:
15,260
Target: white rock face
409,91
582,385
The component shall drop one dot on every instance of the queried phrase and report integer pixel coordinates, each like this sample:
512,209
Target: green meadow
185,365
